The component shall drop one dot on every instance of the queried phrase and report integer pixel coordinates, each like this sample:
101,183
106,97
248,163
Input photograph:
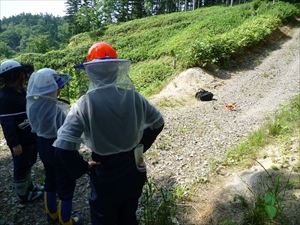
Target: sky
15,7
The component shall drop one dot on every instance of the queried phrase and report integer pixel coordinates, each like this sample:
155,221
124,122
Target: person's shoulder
142,99
82,98
80,101
8,93
23,91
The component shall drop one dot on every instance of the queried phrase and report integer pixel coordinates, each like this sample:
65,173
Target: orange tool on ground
230,106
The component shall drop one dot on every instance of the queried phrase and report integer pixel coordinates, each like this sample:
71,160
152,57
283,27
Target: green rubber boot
23,192
32,187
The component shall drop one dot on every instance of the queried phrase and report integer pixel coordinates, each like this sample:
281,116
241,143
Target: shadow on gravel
234,203
10,211
34,213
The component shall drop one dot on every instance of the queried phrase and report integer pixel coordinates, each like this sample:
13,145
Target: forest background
160,37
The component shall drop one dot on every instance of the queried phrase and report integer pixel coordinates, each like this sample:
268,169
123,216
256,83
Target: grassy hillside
212,35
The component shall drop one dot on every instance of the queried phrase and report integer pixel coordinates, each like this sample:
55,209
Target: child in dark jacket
17,132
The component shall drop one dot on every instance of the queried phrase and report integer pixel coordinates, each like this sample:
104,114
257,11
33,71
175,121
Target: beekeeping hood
112,114
45,113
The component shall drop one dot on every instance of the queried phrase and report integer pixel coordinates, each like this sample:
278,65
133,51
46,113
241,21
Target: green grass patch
285,124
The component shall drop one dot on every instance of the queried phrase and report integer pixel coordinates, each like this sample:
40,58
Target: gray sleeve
153,119
158,123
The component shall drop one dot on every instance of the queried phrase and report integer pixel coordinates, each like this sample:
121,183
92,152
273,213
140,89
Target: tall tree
137,9
1,26
148,5
72,8
40,44
122,9
63,33
84,18
5,51
108,11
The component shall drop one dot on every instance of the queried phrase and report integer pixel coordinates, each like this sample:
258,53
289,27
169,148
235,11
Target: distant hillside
203,37
32,33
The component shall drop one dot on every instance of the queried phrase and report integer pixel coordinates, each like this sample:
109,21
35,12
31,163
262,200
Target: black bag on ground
204,95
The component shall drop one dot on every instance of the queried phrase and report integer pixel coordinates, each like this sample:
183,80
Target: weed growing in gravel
159,204
41,175
269,200
246,149
273,167
165,103
265,75
179,192
183,129
297,168
228,222
152,154
212,164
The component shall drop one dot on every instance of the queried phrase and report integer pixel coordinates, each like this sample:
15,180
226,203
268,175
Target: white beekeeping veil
45,113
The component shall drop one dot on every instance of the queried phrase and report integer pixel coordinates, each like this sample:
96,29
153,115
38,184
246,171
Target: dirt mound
182,89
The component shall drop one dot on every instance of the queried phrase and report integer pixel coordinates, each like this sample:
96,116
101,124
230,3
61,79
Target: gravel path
195,132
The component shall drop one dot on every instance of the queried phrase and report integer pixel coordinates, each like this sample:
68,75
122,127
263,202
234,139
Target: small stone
21,206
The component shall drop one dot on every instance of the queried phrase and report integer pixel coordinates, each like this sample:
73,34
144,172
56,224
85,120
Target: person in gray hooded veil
118,124
46,114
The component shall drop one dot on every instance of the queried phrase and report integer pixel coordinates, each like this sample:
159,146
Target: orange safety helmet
100,51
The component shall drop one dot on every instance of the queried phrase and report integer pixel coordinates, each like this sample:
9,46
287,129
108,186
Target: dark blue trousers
24,161
116,186
57,178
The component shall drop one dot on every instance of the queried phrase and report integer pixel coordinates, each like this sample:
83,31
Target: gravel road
195,134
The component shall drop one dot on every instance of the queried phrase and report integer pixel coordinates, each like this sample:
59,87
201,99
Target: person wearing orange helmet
16,130
114,121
